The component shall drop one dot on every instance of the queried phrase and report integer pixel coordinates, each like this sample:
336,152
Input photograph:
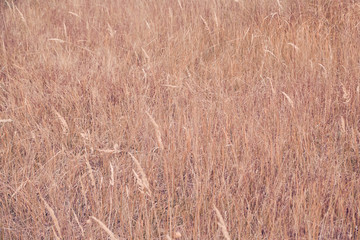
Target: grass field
180,119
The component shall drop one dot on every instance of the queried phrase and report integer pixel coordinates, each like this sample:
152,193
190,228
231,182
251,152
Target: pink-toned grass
243,118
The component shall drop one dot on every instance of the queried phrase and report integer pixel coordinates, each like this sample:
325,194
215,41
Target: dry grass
249,106
222,224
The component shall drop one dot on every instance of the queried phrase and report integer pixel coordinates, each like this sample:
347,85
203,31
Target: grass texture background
173,119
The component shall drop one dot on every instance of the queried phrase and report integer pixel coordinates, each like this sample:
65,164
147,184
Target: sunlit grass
179,119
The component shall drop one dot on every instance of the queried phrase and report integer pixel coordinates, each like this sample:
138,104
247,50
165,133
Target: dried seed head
157,131
289,100
63,122
106,229
222,224
142,179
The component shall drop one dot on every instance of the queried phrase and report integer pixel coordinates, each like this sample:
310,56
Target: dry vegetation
174,119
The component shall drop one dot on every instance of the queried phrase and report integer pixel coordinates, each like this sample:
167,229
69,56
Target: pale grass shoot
180,5
53,217
64,125
105,228
342,124
56,40
22,17
294,46
112,181
142,179
346,94
6,120
157,131
77,221
19,188
222,224
289,99
91,175
176,235
55,234
74,14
